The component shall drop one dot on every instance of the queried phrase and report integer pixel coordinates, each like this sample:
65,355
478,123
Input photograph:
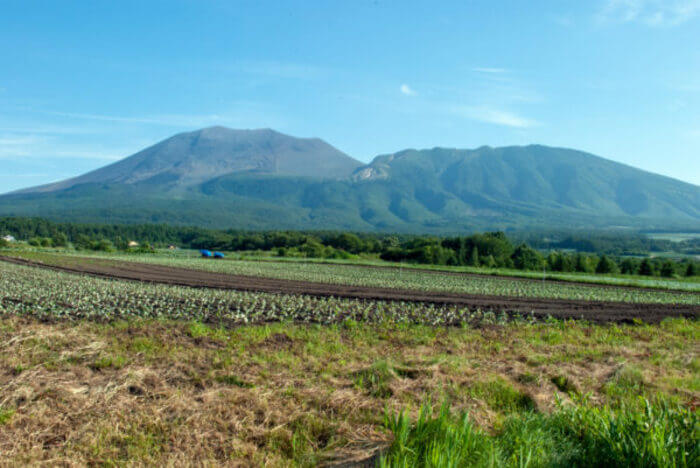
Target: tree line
492,249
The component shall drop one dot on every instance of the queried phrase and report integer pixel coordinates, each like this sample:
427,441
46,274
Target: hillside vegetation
261,179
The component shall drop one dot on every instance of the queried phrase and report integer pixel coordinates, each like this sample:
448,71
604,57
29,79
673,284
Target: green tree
582,264
692,269
312,248
606,265
668,269
83,242
35,241
527,258
474,257
60,240
646,268
3,242
629,266
348,242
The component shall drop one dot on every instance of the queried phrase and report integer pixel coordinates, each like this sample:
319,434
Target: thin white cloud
246,114
46,153
649,12
160,120
490,70
494,116
407,90
12,140
27,146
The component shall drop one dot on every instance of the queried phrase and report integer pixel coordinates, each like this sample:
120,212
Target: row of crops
48,294
406,279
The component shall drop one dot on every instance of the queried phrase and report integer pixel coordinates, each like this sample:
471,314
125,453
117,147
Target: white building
9,238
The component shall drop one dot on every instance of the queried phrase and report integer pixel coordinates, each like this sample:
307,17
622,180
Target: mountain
261,179
188,158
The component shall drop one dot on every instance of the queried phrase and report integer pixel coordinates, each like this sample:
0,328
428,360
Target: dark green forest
557,251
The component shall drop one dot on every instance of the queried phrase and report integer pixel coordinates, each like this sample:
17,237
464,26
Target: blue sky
85,83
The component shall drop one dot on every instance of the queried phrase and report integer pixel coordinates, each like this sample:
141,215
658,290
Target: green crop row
50,294
400,279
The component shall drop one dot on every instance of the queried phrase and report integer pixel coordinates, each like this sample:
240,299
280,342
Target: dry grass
166,393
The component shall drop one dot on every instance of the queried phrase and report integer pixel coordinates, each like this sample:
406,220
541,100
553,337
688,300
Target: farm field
105,371
404,279
612,279
270,265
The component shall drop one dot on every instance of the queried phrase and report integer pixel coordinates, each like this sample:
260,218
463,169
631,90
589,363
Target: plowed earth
594,311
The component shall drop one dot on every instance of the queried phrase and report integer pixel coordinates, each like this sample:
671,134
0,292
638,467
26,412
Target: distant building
9,238
172,247
133,244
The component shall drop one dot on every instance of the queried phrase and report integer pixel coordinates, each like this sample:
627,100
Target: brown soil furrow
596,311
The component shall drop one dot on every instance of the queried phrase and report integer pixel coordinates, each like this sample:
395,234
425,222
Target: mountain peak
221,130
193,157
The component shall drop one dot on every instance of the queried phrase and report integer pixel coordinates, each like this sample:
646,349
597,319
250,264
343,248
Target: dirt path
596,311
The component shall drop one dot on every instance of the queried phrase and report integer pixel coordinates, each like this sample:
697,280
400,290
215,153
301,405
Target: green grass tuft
580,435
234,380
5,415
500,395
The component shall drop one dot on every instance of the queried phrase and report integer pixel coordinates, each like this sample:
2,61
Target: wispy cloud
649,12
490,70
173,120
246,114
27,146
407,90
494,116
16,140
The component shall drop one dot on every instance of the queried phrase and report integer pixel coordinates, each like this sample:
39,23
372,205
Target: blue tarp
205,253
218,255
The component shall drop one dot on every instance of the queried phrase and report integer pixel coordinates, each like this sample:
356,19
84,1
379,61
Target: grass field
391,278
157,392
105,372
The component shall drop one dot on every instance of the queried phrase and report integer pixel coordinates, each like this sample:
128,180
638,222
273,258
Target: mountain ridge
263,179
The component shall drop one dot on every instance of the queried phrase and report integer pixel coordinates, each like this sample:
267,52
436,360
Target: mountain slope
189,158
534,177
261,179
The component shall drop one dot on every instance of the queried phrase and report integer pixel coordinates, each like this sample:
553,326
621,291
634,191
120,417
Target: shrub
3,242
60,240
103,245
